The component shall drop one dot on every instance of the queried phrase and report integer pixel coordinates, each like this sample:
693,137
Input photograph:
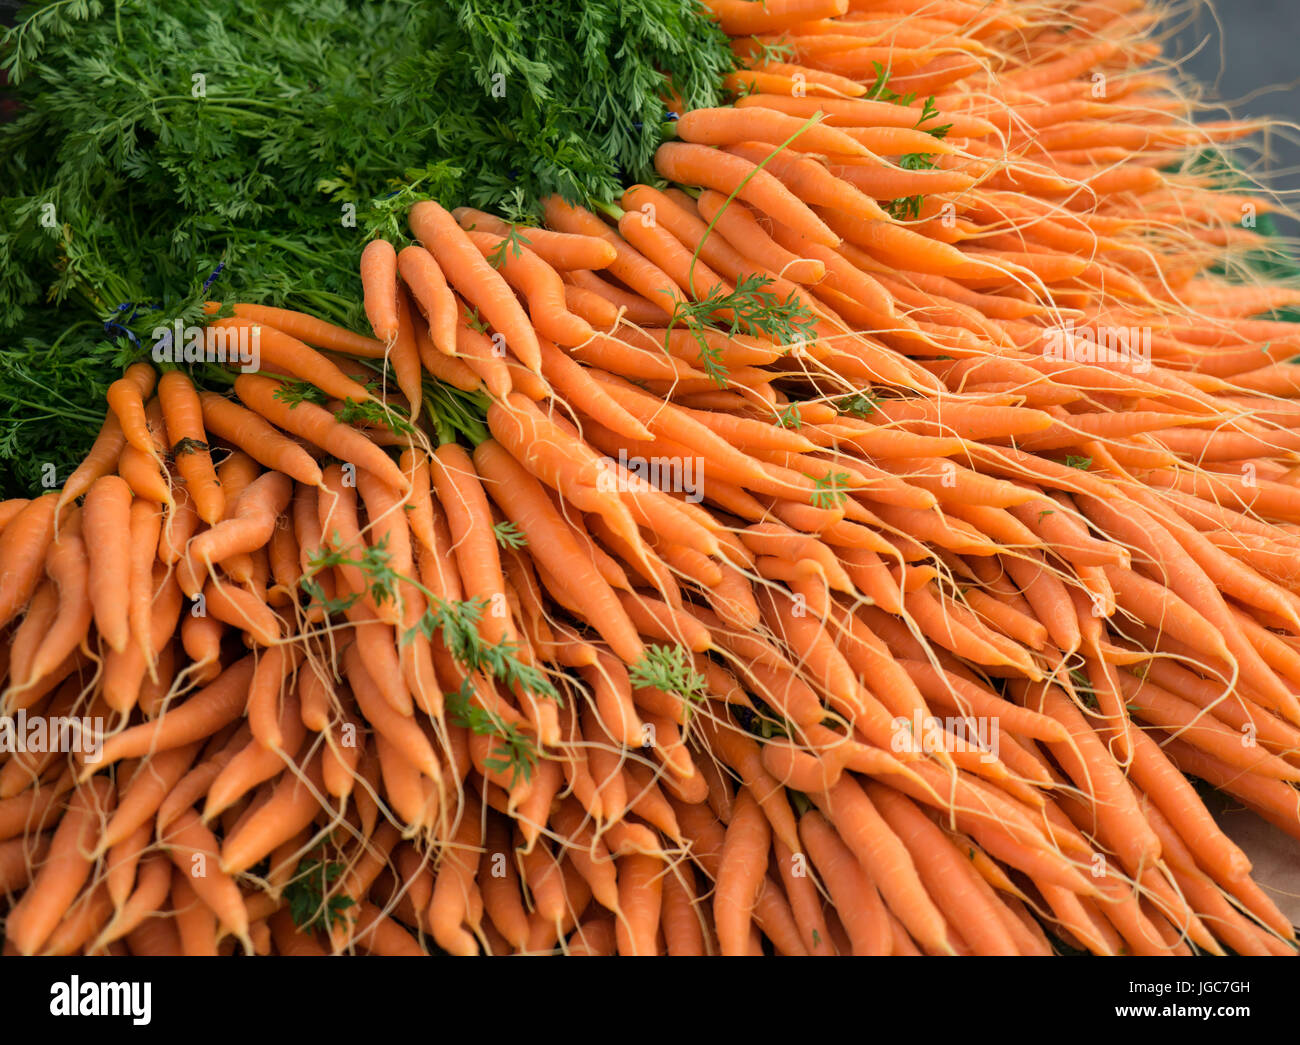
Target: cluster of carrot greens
163,154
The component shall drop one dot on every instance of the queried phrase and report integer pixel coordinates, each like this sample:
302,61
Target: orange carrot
475,279
183,416
379,288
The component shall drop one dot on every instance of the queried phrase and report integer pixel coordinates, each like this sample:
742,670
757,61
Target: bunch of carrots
399,651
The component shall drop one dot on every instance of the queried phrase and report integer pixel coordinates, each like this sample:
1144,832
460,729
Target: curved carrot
727,173
284,354
656,289
23,546
730,126
318,426
246,431
573,382
69,568
292,805
99,461
34,917
143,475
523,500
248,526
476,280
540,285
429,287
194,851
201,715
126,398
560,250
307,328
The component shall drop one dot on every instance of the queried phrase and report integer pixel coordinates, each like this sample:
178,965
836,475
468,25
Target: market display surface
875,534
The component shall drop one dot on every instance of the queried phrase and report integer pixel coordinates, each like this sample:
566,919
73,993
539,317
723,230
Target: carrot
249,523
740,871
69,567
23,546
540,285
471,275
401,730
680,922
193,849
727,173
453,898
657,291
107,528
202,714
144,528
99,461
805,901
156,936
522,499
461,494
640,901
267,717
1087,762
307,328
141,798
149,895
885,859
18,861
405,356
318,426
126,398
945,874
282,354
144,475
182,414
731,126
853,895
292,805
36,914
862,112
499,882
738,18
244,611
573,382
196,923
429,287
379,288
560,250
737,223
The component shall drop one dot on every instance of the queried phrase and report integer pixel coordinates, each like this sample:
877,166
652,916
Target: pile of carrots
399,652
